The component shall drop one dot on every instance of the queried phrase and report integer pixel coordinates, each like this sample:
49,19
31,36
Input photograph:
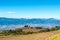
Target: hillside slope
38,36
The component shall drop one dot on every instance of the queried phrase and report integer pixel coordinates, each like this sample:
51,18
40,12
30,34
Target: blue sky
30,8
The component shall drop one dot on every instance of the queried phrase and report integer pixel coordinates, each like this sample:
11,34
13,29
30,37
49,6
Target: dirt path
38,36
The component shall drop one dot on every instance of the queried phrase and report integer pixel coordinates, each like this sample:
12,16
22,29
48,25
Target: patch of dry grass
38,36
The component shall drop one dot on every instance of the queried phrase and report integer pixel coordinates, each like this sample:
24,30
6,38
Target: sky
30,8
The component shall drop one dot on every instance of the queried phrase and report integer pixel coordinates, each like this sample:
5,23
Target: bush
18,31
58,27
29,32
52,29
26,26
12,32
38,27
55,28
45,30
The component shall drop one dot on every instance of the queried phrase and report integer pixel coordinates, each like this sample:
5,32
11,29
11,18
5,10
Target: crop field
55,37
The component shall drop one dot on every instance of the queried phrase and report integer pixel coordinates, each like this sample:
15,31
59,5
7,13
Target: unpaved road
38,36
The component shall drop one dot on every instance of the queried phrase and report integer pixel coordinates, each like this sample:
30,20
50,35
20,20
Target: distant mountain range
24,21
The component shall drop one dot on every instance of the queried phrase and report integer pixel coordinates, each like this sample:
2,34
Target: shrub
38,27
26,26
58,27
12,32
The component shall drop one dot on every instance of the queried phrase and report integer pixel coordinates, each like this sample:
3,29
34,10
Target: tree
26,26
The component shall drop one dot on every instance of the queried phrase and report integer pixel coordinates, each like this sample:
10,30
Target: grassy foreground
55,37
38,36
29,33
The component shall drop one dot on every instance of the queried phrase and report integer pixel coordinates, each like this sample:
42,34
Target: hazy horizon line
29,18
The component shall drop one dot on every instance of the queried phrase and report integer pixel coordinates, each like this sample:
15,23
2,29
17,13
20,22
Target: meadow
30,33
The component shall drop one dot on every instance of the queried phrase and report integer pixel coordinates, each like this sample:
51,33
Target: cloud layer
11,12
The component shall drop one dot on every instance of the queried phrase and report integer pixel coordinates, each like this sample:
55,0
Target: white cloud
11,12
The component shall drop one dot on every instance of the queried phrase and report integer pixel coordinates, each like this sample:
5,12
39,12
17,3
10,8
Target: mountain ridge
14,21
